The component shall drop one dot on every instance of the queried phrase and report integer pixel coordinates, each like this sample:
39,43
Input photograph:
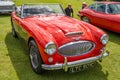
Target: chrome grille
76,48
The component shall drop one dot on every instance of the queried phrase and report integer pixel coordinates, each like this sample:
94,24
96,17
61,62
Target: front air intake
76,48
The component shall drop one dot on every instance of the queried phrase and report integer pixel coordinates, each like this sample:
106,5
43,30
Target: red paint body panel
44,29
104,20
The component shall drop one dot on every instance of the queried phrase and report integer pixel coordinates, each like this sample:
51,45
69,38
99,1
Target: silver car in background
6,6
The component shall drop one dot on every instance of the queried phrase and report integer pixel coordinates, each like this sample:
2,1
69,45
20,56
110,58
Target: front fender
41,38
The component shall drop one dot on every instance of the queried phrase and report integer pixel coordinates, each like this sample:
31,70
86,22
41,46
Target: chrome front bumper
66,64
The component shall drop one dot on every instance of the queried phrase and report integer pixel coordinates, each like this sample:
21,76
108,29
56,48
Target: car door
19,25
100,16
114,16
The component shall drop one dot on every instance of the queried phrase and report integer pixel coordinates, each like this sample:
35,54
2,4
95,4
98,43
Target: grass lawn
14,61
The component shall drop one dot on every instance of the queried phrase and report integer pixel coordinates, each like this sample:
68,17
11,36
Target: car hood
6,3
62,28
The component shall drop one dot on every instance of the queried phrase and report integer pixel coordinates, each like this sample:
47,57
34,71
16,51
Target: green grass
14,61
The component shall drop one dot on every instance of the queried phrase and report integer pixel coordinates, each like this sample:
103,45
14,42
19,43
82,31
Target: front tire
35,58
86,19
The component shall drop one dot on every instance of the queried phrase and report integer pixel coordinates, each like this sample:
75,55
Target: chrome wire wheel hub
33,57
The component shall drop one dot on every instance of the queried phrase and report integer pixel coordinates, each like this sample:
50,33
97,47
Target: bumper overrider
66,64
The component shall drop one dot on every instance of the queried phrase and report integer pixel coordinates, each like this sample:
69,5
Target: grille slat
76,48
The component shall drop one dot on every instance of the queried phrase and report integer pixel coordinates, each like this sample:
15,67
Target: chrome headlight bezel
104,39
50,48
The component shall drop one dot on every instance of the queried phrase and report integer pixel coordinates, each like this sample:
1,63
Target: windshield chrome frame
22,7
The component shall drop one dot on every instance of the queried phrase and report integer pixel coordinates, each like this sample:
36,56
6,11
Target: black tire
13,30
86,19
35,57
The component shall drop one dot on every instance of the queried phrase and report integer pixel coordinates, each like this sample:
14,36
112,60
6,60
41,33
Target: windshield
41,9
113,8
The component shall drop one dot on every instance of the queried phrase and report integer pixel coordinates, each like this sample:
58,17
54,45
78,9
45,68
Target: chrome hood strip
74,33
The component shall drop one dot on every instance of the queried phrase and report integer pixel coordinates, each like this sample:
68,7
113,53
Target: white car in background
6,6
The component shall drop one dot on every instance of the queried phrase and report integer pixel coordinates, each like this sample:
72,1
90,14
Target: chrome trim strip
74,33
77,43
75,63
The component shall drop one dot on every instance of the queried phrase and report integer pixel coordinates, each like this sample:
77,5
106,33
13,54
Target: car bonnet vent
73,33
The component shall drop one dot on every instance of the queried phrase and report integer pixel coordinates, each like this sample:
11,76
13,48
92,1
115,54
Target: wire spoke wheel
35,57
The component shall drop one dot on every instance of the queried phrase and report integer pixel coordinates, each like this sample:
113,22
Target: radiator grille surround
76,48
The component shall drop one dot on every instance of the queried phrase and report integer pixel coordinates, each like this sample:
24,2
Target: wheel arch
29,39
38,45
38,69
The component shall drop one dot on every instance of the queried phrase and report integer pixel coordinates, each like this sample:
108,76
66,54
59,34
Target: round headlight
104,39
50,48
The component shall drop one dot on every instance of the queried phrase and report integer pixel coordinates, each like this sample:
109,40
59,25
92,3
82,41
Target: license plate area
80,67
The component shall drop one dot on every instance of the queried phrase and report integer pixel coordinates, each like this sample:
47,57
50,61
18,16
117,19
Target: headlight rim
102,38
46,47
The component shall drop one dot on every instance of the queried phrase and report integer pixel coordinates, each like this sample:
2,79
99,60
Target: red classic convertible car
56,41
103,14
